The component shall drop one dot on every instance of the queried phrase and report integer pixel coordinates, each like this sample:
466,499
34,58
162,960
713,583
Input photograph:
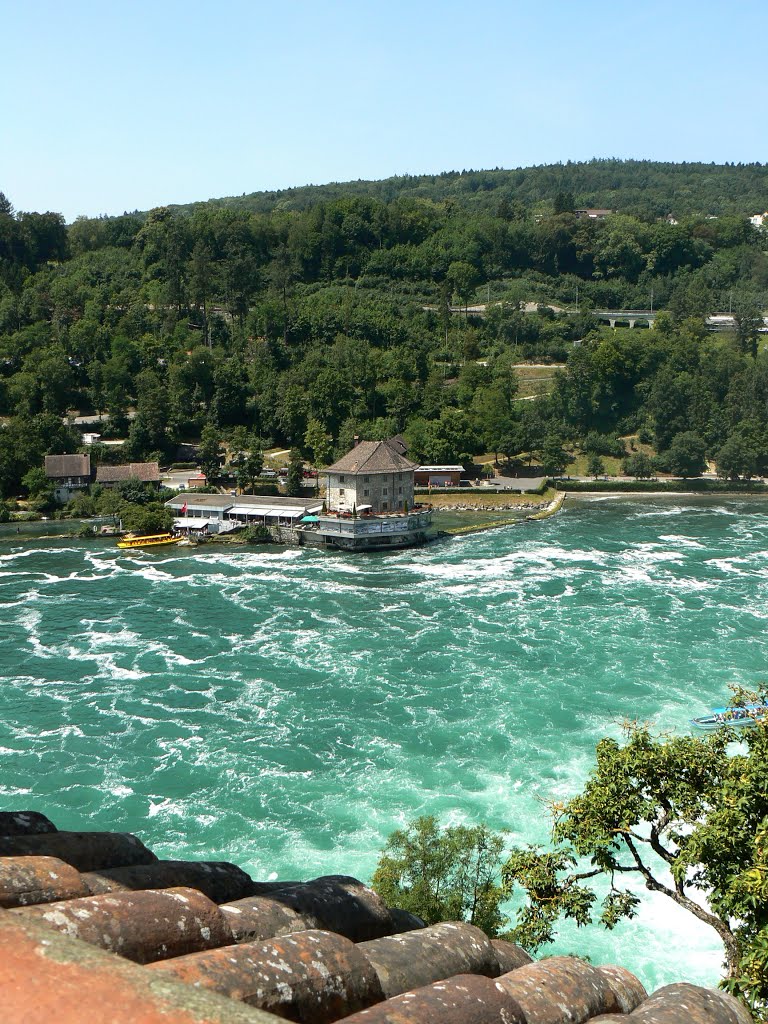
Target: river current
287,709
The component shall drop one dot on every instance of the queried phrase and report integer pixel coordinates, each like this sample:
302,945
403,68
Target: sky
113,105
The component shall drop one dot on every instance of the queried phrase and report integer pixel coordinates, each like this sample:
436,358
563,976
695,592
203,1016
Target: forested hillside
641,188
305,317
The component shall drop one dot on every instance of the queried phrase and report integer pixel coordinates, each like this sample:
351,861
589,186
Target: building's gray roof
146,472
372,457
96,928
255,501
60,466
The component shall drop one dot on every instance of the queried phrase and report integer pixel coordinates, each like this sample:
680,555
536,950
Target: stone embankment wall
525,506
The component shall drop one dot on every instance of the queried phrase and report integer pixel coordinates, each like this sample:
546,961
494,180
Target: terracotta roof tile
220,881
418,958
86,851
46,976
541,989
311,976
24,823
25,881
142,926
626,990
315,952
510,956
340,904
261,917
463,999
674,1004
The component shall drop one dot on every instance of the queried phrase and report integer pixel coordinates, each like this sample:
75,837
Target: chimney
355,440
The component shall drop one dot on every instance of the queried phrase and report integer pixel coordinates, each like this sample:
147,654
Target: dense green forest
304,317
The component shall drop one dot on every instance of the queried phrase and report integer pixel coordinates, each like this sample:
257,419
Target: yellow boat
131,540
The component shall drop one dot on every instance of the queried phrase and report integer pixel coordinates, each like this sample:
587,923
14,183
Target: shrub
257,534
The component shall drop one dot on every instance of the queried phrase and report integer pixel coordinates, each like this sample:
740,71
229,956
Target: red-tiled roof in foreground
96,929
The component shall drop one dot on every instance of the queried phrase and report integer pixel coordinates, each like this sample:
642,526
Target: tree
148,430
319,442
638,465
749,322
554,458
564,203
295,473
247,456
595,466
145,520
681,815
448,874
39,488
686,455
744,453
209,453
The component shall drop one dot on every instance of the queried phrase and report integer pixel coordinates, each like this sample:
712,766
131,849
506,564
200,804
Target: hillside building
372,477
68,474
438,476
142,472
592,214
369,506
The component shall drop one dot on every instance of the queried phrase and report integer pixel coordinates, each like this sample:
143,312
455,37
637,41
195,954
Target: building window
384,490
365,479
341,492
399,476
341,479
384,506
365,493
399,490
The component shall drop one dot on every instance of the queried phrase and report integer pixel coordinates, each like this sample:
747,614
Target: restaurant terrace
220,513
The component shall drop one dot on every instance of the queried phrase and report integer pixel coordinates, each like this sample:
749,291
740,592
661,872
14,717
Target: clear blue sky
112,105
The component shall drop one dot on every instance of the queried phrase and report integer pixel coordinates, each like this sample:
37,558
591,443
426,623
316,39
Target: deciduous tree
444,874
683,816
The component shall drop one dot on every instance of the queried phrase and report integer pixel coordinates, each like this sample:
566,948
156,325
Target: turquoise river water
286,709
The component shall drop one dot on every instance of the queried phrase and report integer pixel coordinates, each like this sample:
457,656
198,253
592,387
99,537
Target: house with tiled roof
142,472
68,473
372,475
95,929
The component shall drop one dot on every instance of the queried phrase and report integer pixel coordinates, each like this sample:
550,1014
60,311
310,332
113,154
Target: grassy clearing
535,380
578,467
